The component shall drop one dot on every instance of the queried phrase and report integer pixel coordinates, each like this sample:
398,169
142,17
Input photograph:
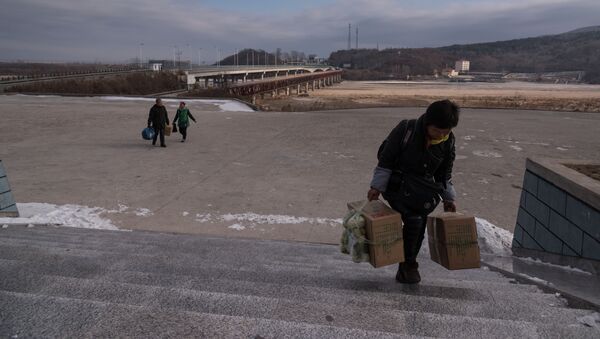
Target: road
270,175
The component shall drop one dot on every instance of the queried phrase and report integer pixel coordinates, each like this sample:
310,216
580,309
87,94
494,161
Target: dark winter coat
416,158
158,117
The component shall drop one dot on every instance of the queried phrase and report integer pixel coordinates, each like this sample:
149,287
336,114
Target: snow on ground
254,219
249,220
63,215
487,154
224,105
237,227
591,320
143,212
493,239
566,268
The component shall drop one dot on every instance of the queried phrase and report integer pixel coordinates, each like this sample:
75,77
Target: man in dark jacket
414,171
158,119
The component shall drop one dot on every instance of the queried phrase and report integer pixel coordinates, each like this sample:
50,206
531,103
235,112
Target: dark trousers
183,131
159,131
413,231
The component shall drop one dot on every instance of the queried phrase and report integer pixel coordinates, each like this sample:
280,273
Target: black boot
408,273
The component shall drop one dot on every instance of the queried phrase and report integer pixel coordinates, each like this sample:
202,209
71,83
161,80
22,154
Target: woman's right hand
373,194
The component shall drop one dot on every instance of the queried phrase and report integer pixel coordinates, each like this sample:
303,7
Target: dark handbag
419,194
174,128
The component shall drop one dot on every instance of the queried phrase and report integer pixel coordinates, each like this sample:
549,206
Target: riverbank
509,95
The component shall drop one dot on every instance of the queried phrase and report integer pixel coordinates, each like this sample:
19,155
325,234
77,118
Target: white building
462,66
156,67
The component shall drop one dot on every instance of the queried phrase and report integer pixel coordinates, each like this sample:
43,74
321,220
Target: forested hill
577,50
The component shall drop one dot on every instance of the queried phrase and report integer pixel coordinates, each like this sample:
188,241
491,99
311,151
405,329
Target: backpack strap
410,127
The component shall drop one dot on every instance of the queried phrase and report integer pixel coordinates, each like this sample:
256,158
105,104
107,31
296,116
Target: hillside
577,50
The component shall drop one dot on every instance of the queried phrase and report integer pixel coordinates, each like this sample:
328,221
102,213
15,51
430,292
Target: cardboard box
384,232
168,130
453,240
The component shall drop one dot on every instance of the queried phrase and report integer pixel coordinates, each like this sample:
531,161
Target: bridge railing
272,84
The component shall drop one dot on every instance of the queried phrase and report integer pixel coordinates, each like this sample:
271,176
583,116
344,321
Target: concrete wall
8,207
558,216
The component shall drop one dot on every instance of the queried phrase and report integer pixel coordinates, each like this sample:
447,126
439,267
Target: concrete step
334,263
301,284
367,318
90,266
114,288
39,316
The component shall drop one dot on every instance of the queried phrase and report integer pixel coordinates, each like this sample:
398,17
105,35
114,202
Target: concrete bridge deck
219,76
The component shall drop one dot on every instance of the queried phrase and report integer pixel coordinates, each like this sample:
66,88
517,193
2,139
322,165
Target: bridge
259,80
213,76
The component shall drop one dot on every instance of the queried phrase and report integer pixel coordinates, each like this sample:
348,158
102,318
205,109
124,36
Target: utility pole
265,58
349,36
174,51
199,49
190,53
141,57
356,37
252,58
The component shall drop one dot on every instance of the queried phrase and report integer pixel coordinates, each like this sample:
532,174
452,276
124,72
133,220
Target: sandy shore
513,95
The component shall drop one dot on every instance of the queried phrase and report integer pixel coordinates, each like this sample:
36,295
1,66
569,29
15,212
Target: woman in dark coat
414,171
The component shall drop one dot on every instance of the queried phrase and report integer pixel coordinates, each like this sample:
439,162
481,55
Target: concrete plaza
267,175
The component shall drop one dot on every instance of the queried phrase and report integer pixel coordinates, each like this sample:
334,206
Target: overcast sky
113,30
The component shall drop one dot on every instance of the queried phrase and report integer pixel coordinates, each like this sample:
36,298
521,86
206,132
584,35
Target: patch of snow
5,226
224,105
590,320
63,215
461,157
468,137
561,149
269,219
237,227
567,268
121,208
516,148
143,212
493,239
535,279
203,217
185,214
487,154
534,143
483,181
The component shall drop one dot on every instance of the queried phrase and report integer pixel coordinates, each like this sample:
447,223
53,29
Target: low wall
8,207
559,214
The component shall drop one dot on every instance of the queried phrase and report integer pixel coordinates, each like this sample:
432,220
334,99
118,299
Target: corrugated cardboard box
168,129
384,232
453,240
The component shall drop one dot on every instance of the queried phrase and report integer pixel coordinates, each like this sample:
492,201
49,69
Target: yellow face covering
439,141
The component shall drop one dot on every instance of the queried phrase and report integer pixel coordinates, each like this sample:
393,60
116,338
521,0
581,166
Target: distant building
157,67
462,66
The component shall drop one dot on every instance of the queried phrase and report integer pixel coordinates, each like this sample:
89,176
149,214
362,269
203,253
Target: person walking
414,172
182,117
158,119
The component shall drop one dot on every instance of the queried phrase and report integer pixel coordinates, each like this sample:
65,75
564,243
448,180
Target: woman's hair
442,114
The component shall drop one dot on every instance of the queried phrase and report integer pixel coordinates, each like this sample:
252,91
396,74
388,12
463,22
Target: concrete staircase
67,282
